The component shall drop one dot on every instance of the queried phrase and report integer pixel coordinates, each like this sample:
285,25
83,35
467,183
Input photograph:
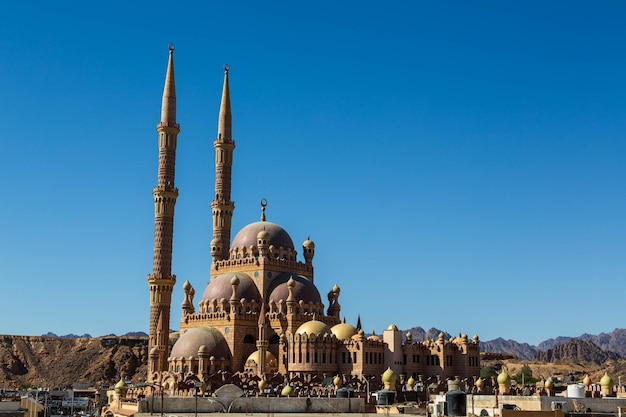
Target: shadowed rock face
576,350
58,362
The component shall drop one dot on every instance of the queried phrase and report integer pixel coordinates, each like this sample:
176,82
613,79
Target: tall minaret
222,207
161,281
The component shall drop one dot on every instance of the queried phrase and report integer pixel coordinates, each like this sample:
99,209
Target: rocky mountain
420,335
575,350
551,343
58,362
511,347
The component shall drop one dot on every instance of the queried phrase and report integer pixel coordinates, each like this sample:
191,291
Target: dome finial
263,205
226,68
171,46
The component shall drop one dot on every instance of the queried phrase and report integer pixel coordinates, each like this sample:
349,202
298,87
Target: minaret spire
222,207
161,281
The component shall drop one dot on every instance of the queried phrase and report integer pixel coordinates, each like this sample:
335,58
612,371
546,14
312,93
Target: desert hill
58,362
575,350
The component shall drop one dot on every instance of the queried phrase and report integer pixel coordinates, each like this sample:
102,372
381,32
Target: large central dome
248,235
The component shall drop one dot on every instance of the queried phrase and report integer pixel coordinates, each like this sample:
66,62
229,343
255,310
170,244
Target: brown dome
303,289
191,341
221,287
248,235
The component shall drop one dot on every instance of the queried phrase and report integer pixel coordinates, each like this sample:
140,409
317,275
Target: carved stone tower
222,207
161,281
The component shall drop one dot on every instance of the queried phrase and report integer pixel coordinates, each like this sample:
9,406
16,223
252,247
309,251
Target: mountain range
608,342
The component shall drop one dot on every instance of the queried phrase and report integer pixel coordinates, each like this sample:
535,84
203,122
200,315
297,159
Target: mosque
261,313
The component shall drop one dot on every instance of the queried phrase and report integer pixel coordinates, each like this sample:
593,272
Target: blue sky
459,166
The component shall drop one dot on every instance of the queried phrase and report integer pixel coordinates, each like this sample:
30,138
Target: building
261,314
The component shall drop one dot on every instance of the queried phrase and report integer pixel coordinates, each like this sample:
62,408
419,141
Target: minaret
161,281
262,342
222,207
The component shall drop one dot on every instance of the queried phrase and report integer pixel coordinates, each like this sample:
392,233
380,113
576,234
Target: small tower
222,207
308,249
161,281
188,301
262,342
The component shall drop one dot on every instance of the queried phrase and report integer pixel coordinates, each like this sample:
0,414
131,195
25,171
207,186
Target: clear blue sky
458,166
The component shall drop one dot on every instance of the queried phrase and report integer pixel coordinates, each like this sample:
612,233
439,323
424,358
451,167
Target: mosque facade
261,313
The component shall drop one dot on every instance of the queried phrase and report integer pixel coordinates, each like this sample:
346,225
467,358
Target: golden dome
120,387
479,383
343,331
287,391
315,327
337,382
392,327
270,359
606,381
374,337
548,383
504,378
389,376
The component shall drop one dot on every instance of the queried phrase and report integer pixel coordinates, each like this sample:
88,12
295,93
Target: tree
488,372
525,376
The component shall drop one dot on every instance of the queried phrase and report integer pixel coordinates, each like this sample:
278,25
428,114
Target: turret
308,249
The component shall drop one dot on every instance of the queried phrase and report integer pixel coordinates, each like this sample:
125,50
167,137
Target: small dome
548,383
270,359
392,327
504,378
120,388
313,327
303,289
375,338
479,383
263,234
248,235
308,244
192,340
287,391
261,384
221,287
389,376
606,380
234,280
343,331
186,285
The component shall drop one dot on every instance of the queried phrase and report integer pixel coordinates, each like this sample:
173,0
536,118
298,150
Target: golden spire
225,122
168,108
